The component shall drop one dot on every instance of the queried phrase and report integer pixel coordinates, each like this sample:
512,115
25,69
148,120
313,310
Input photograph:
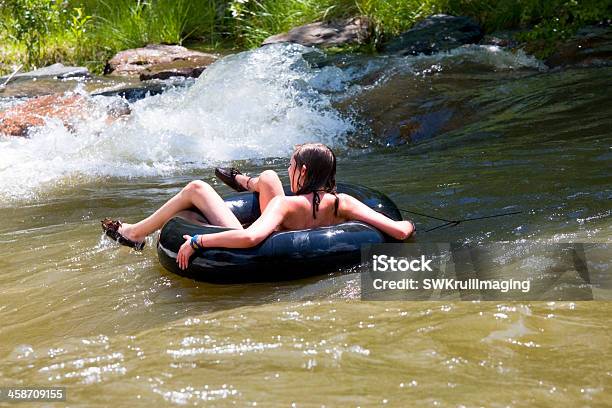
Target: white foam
497,57
488,56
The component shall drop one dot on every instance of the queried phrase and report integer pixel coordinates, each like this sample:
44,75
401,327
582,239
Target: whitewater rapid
251,105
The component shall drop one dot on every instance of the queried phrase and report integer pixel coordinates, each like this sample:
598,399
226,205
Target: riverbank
41,32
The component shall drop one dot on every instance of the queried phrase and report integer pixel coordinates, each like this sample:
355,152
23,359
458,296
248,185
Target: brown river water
115,328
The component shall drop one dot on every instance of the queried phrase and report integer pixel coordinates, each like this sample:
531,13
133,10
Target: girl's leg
197,193
268,185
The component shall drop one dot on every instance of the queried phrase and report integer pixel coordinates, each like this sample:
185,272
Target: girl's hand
407,227
182,259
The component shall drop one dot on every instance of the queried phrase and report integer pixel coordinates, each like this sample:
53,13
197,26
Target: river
469,133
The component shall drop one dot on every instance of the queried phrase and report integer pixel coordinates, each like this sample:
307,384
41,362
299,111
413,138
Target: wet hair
320,163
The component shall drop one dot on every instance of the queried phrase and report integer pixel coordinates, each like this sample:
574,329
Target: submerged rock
591,46
436,33
356,30
159,61
58,71
133,93
133,90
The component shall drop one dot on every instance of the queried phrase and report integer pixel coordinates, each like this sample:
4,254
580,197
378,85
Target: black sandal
228,176
111,229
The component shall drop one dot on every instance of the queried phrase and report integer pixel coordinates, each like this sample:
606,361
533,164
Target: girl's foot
243,181
233,178
127,230
116,231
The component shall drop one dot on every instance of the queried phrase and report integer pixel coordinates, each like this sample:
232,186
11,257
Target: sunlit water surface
470,133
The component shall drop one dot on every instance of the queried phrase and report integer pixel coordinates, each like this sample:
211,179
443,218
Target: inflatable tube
283,255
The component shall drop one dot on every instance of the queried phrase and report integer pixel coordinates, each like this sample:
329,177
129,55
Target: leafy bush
44,31
561,18
31,22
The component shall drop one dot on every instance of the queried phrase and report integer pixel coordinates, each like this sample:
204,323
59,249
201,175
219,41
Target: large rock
159,61
436,33
355,30
591,46
191,67
19,119
58,70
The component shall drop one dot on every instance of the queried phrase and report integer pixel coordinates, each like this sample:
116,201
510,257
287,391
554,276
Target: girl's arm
352,209
270,219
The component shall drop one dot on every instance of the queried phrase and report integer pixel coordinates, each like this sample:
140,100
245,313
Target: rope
454,223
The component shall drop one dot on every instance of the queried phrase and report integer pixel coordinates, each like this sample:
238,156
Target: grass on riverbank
87,32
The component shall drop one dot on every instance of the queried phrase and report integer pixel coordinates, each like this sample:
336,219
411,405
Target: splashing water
250,105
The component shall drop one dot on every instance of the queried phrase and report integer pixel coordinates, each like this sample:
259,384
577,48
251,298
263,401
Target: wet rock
436,33
132,89
58,71
17,120
117,108
402,111
356,30
504,39
191,67
145,60
591,46
29,88
133,93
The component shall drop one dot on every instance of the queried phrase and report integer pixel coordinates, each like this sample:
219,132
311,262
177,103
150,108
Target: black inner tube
283,255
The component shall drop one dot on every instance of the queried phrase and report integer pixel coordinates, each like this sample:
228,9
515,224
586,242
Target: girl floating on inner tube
312,174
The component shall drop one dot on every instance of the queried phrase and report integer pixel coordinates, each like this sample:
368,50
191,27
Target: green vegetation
122,24
88,32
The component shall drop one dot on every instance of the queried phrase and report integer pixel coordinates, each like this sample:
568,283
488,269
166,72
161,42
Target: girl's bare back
299,215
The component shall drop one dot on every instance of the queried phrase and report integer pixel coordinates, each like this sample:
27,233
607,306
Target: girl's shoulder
286,201
345,199
296,200
346,203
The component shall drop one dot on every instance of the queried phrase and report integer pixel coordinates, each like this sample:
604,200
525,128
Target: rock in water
439,32
159,61
191,67
503,38
591,46
58,70
133,93
19,119
355,30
